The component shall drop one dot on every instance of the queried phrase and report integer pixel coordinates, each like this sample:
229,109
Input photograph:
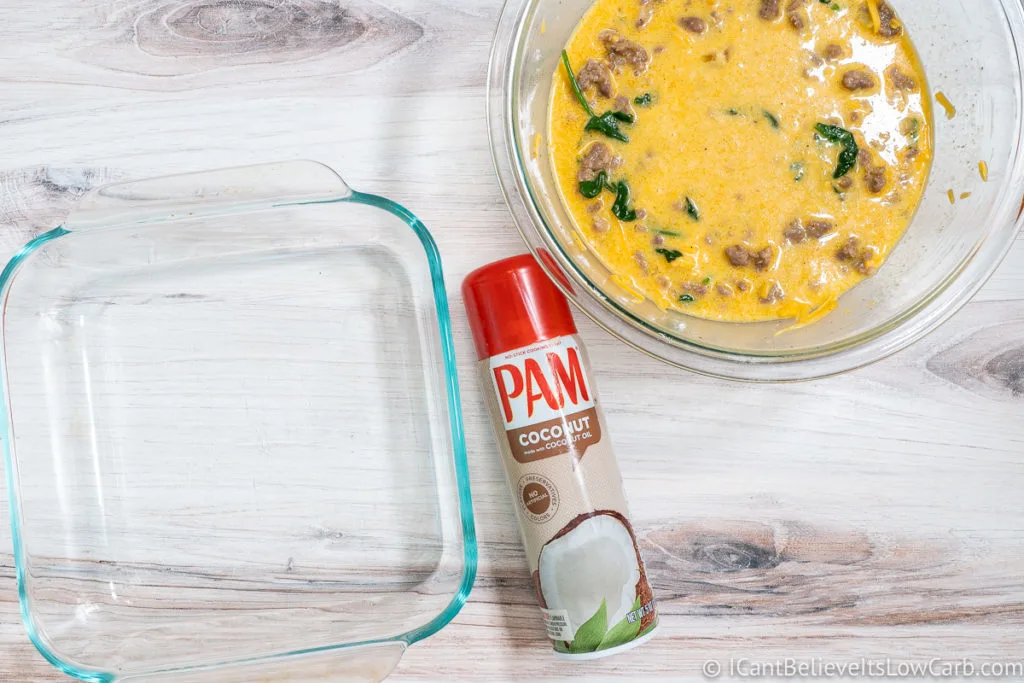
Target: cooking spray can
586,565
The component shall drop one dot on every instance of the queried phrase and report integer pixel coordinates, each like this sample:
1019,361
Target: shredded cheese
941,98
983,169
965,195
808,316
952,196
543,26
535,145
876,19
629,288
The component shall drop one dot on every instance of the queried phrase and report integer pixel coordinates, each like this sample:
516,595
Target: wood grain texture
875,514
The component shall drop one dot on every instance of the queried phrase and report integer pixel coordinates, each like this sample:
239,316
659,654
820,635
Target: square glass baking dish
232,432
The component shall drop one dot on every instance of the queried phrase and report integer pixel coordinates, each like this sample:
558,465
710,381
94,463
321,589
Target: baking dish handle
190,195
360,664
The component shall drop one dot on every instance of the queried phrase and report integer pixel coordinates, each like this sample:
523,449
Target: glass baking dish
232,432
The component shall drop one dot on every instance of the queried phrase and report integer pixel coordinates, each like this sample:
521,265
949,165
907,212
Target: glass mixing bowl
971,50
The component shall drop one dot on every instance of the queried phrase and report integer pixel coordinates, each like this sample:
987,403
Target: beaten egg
741,160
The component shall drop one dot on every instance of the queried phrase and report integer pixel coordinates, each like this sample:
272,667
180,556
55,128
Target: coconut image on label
592,575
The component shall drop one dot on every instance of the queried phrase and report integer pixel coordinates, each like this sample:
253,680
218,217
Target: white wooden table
874,515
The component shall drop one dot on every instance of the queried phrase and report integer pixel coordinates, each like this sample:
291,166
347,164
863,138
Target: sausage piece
695,288
819,228
849,251
763,259
694,24
858,79
775,293
623,105
770,10
795,232
832,52
596,74
900,80
875,178
890,24
738,255
641,261
622,51
598,158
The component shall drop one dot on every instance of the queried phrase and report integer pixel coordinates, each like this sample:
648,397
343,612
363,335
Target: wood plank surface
877,514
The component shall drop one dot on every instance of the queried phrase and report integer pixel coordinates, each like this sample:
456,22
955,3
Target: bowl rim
869,347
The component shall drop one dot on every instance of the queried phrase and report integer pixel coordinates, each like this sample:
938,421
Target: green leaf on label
623,632
560,646
647,630
589,635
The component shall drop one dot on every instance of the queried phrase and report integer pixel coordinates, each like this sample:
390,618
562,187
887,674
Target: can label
586,565
547,404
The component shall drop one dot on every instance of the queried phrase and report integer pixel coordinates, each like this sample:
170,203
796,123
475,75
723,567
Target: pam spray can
586,565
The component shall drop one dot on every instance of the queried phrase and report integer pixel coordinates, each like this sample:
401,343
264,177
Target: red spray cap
513,303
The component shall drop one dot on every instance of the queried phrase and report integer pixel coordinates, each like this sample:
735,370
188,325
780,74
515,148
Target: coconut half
593,559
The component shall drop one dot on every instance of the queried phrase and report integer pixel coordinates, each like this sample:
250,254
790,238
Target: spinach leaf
686,299
592,188
835,134
840,136
692,210
607,123
669,254
667,233
624,116
621,207
771,119
643,101
575,85
847,160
